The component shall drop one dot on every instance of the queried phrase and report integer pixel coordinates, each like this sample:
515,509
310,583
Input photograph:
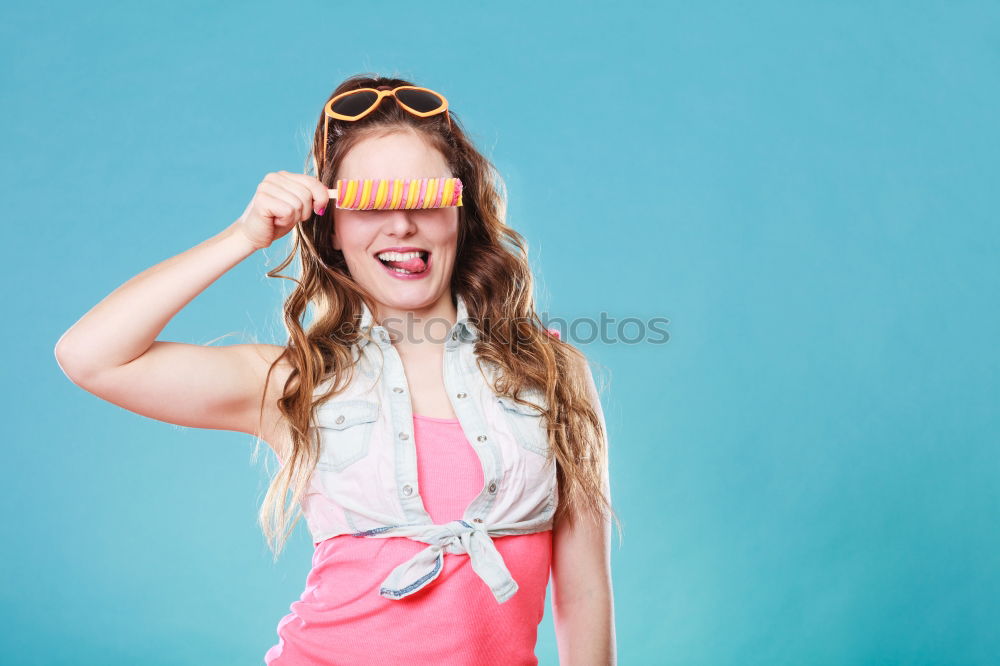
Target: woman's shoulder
262,357
584,372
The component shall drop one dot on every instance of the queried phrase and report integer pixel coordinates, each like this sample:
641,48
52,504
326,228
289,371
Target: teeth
399,256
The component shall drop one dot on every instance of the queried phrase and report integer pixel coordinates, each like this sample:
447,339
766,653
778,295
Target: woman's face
379,246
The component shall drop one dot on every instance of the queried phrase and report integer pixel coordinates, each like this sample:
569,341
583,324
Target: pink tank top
456,621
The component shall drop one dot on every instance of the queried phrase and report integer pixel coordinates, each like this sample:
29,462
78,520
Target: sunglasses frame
382,93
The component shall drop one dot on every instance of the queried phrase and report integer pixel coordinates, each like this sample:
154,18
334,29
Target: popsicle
396,193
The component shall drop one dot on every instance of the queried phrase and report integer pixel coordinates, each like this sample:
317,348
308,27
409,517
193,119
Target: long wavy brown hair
491,273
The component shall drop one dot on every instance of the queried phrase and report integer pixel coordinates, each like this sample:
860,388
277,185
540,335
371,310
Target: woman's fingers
282,200
292,210
313,192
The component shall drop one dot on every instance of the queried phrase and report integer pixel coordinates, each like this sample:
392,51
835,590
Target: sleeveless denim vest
365,483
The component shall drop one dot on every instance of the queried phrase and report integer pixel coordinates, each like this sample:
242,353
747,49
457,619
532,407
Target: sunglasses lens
420,100
355,103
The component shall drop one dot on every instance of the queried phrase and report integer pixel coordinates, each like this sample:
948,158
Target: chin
412,296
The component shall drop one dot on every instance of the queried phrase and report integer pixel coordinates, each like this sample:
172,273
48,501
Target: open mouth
413,262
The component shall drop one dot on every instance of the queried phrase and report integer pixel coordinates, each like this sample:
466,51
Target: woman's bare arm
112,351
582,594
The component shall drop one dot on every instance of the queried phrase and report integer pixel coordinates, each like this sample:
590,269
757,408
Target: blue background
807,472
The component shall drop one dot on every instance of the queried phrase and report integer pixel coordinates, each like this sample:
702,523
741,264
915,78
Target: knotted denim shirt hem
458,537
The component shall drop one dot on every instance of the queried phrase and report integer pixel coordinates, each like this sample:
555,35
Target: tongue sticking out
415,265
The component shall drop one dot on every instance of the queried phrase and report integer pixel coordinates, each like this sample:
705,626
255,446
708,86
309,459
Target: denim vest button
477,520
407,490
481,438
403,435
462,395
340,419
493,487
397,389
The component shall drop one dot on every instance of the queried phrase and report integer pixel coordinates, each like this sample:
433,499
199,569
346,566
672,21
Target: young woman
446,450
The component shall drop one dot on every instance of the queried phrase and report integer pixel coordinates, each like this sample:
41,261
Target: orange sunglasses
356,104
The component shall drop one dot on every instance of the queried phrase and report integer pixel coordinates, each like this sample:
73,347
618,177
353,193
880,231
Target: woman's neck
427,326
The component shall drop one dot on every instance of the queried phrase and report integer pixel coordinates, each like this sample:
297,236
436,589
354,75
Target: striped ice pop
397,193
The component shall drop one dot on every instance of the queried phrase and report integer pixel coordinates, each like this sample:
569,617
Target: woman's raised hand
282,200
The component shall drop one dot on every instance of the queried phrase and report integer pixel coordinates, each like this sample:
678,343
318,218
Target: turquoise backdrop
807,470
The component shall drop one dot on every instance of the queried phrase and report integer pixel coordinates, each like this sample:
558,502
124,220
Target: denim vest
365,483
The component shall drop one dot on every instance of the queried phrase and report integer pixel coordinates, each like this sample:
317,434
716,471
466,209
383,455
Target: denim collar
463,331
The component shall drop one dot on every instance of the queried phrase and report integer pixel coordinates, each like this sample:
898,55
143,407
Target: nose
399,224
